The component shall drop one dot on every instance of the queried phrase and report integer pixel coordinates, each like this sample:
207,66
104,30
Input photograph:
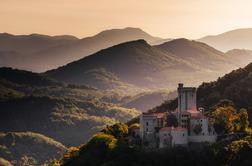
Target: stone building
193,126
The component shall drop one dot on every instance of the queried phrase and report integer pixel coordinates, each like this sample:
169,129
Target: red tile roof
195,114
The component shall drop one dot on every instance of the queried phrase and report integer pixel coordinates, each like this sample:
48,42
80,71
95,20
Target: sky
164,18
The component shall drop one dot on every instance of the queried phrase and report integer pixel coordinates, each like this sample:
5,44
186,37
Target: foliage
168,105
227,119
134,125
235,86
27,148
240,152
118,130
94,152
220,153
171,120
243,114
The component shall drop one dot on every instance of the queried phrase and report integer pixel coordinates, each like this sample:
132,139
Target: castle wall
173,137
148,123
198,139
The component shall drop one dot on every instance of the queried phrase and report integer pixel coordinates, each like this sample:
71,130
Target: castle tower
186,101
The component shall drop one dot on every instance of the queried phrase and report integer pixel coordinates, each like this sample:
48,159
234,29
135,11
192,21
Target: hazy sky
164,18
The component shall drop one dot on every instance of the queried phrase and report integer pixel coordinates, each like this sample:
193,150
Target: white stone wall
179,137
165,139
147,126
173,138
204,135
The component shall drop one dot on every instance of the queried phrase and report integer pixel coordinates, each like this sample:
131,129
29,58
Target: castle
193,126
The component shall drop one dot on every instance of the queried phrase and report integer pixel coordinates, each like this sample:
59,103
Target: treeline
110,148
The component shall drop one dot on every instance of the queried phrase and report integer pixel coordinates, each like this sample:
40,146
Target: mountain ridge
47,52
234,39
139,64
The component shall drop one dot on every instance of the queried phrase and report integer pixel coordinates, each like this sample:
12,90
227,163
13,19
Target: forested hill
235,86
68,113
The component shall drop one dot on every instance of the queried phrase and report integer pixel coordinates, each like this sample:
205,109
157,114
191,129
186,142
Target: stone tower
186,102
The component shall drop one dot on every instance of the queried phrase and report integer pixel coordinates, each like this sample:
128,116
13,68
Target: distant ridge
234,39
38,52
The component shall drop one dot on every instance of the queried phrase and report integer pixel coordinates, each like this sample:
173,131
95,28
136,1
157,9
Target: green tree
244,122
239,153
225,119
94,153
118,130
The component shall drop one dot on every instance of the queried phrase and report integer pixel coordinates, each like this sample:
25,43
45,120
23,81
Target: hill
235,86
27,148
67,121
235,39
68,113
41,52
197,53
144,66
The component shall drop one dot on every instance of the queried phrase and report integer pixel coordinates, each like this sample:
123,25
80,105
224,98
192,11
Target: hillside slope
27,148
235,86
68,113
